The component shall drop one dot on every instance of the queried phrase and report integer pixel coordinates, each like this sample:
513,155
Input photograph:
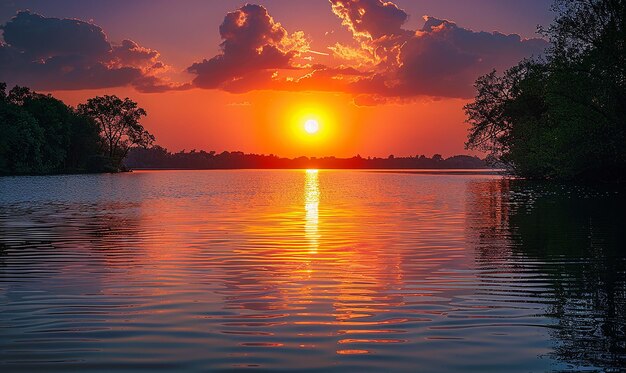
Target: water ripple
324,271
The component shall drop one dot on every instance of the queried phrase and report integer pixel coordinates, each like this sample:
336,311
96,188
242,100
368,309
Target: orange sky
268,122
227,76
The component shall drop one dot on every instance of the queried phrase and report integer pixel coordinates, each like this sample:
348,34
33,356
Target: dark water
321,271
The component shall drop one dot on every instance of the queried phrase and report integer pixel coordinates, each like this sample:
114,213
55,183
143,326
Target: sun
311,126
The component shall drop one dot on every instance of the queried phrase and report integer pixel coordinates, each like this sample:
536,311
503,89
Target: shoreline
422,171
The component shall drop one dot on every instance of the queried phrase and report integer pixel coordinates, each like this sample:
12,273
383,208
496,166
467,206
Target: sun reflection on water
253,268
311,206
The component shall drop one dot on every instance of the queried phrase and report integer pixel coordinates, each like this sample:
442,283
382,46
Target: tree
85,142
563,116
21,138
41,135
508,119
54,117
119,125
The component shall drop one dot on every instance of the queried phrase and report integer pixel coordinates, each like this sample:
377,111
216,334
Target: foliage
53,116
21,140
119,123
564,116
39,134
85,143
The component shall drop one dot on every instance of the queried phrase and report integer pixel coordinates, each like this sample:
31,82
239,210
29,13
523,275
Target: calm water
324,271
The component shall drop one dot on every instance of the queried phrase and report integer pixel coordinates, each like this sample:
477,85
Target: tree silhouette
40,134
119,124
563,116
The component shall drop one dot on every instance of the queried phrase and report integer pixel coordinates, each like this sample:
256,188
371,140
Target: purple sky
184,31
381,78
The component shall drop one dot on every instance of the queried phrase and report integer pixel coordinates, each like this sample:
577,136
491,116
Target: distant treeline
159,158
39,134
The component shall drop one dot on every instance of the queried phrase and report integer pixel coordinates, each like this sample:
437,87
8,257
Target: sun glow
311,126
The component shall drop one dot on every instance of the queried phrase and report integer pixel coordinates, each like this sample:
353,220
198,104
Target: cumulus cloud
52,53
441,59
444,59
385,62
132,54
370,18
254,47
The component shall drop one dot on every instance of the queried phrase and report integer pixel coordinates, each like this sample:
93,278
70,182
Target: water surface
323,271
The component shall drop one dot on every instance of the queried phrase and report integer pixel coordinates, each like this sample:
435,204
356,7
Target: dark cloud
439,60
385,63
52,53
257,50
370,18
40,38
254,46
442,59
130,53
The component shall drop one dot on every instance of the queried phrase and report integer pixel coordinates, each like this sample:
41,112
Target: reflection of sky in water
325,270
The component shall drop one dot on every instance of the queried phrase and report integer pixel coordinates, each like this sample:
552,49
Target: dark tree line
39,134
562,116
159,158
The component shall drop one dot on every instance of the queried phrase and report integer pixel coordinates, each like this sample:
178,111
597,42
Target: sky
380,77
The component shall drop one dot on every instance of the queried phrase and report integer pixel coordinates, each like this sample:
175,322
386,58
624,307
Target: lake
315,270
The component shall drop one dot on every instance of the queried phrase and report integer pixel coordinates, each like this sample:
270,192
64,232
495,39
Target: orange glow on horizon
271,122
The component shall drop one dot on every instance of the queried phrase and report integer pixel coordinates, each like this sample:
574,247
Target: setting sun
312,185
311,126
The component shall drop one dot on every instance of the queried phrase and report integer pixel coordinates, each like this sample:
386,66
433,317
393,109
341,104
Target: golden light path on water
311,206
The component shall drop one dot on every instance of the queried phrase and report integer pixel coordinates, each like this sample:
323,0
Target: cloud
370,18
355,55
444,59
439,60
132,54
52,53
254,47
40,37
385,63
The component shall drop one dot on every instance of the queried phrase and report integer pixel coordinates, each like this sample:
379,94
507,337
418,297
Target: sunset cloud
385,62
254,47
441,59
52,53
373,19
